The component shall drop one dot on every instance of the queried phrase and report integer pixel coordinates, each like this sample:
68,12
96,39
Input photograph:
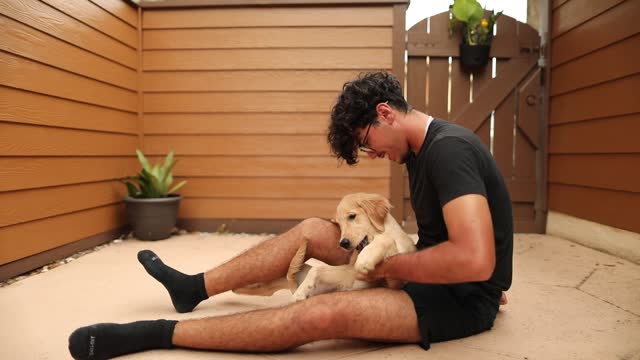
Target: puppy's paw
307,287
363,265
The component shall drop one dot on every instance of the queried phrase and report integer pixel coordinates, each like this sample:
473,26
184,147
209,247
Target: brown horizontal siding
33,44
37,77
243,96
68,123
22,240
594,157
62,26
98,19
239,102
615,24
281,187
257,208
613,98
52,201
619,172
246,80
236,123
276,166
120,9
260,17
234,38
594,136
29,140
576,12
36,172
579,73
256,145
265,59
31,108
613,208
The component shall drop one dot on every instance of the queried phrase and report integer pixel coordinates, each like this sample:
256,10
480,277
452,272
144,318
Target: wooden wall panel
22,240
243,96
236,123
277,16
594,156
246,80
233,38
615,24
68,121
266,59
60,25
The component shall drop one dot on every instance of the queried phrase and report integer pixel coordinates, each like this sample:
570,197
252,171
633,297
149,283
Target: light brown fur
359,216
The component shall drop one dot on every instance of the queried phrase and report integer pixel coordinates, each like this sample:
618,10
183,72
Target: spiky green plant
153,181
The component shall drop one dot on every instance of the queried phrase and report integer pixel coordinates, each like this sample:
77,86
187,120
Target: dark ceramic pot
152,219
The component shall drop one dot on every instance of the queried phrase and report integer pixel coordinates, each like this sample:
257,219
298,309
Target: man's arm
468,255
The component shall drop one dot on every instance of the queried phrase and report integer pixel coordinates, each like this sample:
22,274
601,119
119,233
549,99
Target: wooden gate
504,111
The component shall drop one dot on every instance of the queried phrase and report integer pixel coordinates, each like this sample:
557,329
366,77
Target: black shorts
452,311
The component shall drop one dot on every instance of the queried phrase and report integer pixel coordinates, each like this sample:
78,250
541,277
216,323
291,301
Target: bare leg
270,259
373,314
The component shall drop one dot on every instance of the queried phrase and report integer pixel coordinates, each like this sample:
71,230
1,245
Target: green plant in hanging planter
476,29
153,181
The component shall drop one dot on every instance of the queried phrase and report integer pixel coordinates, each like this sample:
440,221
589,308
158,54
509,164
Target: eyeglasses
363,146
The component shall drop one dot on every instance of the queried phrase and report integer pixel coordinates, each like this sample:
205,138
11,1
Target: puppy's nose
345,243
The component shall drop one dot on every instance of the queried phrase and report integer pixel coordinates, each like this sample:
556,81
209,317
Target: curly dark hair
355,108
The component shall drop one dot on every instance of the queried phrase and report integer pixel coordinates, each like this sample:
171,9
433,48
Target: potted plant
476,31
152,206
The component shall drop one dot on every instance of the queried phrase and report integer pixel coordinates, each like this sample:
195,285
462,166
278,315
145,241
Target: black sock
186,291
104,341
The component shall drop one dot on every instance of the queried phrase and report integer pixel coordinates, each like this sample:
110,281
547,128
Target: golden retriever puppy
367,230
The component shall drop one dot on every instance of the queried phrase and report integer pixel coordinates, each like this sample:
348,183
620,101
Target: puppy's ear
376,207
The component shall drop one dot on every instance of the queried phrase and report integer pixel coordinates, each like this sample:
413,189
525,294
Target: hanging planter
476,32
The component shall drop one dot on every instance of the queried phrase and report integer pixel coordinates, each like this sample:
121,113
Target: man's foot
104,341
186,291
503,299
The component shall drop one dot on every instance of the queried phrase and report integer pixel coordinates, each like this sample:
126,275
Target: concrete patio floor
566,302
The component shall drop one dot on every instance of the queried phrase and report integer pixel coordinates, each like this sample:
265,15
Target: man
455,280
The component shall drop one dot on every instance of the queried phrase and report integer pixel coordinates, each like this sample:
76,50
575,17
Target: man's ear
376,207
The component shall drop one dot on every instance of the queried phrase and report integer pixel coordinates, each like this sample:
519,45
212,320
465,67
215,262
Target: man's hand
375,274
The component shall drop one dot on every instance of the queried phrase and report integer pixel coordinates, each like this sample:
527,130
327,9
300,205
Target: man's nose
345,243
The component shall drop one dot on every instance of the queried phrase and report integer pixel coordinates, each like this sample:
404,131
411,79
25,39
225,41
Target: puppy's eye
352,217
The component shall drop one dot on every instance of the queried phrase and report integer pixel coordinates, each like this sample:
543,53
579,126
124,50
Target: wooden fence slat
272,209
417,83
576,12
606,171
460,87
472,116
438,88
503,135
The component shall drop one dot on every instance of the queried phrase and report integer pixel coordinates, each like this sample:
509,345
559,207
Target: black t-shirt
453,162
